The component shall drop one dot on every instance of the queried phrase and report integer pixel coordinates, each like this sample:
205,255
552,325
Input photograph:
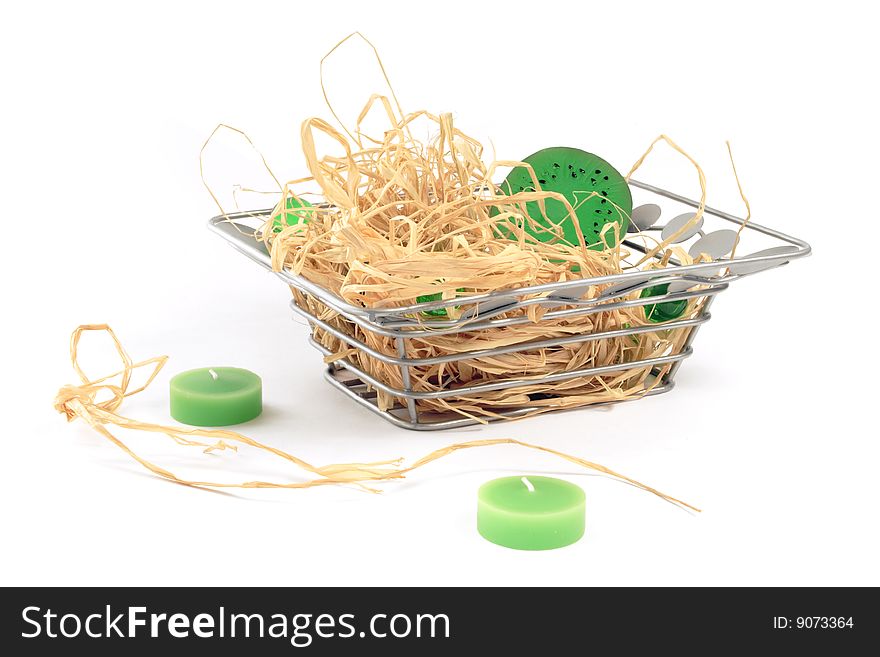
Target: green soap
575,174
662,312
293,218
531,513
438,296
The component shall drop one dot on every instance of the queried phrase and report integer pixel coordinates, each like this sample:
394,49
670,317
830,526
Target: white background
771,430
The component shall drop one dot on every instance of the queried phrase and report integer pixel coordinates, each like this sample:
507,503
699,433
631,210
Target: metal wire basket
335,322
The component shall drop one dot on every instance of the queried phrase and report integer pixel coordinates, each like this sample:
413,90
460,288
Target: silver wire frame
482,311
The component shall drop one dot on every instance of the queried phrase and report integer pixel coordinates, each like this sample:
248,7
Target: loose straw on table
81,401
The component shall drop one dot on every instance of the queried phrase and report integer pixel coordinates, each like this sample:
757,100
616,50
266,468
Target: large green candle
216,396
531,513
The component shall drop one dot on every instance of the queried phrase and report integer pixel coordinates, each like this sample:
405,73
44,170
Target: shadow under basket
520,352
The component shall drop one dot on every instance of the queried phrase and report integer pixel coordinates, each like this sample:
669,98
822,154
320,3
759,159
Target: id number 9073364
813,623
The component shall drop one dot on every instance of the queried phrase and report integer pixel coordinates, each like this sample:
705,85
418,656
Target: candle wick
213,374
528,484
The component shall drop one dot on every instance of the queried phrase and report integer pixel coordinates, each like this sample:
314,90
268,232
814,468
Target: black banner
398,621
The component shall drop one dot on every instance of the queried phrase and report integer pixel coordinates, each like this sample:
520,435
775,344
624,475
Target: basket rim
241,237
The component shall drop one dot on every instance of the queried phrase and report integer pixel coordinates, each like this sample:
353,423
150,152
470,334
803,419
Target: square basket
388,361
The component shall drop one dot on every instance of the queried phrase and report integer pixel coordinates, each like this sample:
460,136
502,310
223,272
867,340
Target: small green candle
531,513
216,396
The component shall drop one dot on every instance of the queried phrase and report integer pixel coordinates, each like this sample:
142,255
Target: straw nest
398,219
394,218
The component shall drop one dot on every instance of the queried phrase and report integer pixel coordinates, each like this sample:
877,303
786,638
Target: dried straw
403,218
82,401
398,218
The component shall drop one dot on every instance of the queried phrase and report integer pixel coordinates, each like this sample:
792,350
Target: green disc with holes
300,214
575,174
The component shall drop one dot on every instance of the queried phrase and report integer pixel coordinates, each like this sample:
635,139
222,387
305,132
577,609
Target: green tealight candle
216,396
531,513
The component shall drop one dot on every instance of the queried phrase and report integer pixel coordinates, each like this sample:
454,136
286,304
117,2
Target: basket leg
407,381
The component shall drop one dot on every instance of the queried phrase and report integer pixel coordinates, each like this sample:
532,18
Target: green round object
300,216
216,396
575,174
531,513
438,296
662,312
